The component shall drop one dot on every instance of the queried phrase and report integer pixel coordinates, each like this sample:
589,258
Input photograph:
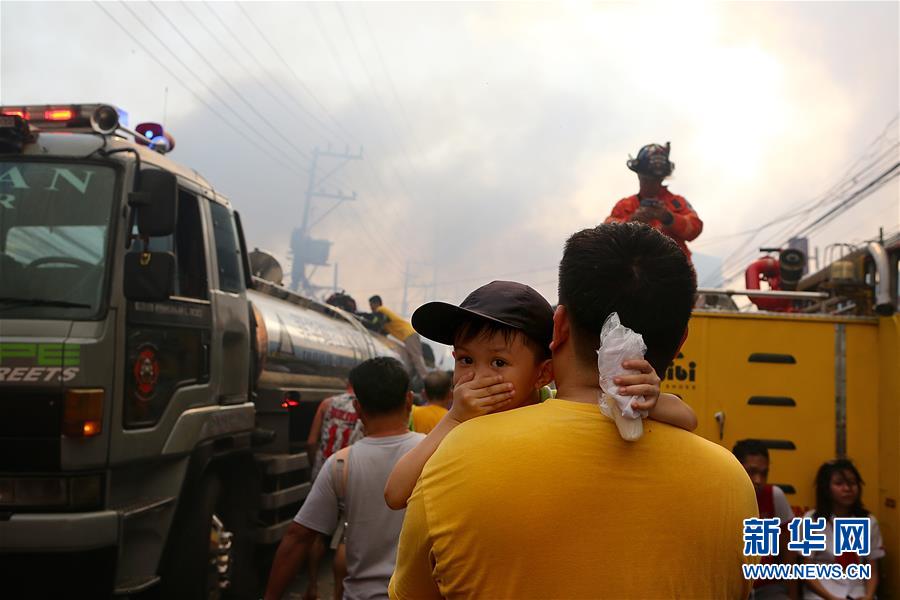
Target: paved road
326,581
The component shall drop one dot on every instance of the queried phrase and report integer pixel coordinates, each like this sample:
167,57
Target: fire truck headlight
80,492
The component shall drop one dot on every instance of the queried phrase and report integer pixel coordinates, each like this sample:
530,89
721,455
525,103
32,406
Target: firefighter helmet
652,159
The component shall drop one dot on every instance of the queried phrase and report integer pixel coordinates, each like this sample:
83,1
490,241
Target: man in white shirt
383,402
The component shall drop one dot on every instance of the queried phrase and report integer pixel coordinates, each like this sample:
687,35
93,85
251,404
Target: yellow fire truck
816,379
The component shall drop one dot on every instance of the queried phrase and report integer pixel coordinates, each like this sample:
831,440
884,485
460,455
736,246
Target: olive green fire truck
155,397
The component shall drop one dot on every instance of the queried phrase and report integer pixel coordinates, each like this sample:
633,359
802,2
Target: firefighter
654,204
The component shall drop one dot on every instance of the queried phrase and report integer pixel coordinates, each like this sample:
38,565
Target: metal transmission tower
305,250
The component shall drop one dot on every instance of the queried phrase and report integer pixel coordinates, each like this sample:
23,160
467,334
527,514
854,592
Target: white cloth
618,344
843,588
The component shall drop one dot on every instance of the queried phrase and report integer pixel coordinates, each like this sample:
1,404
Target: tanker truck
155,397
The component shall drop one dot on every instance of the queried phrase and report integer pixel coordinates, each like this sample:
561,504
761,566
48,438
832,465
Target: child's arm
673,410
666,408
470,399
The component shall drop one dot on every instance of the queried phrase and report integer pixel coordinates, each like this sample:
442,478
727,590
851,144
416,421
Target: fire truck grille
30,428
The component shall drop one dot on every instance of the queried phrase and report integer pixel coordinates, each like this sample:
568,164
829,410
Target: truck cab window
231,279
191,280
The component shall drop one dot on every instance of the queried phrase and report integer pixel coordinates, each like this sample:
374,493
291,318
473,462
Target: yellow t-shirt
547,501
396,326
424,418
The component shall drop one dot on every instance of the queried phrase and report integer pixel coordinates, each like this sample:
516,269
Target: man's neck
578,391
650,191
575,382
441,403
386,425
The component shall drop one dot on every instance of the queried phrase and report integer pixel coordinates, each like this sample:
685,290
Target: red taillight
289,403
58,114
17,113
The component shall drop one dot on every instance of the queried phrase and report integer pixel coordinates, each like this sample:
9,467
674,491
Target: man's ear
545,374
356,406
409,400
560,328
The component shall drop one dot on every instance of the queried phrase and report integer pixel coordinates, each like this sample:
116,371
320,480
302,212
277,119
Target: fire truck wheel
198,561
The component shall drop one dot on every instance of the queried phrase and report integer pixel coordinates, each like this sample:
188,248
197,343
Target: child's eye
498,363
464,360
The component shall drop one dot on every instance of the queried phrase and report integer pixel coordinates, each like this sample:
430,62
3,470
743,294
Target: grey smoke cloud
513,121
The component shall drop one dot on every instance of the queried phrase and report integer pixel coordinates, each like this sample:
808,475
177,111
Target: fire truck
155,396
812,371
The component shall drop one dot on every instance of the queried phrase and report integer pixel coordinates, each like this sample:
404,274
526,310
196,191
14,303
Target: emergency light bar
102,118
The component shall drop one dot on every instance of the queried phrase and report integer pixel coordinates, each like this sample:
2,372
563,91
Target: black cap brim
439,321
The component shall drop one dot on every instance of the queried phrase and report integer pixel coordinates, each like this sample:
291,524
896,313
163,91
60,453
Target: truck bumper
25,532
59,555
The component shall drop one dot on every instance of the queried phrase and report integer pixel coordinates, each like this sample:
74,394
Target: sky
488,132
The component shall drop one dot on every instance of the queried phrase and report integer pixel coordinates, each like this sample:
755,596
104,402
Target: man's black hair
380,384
744,448
437,385
636,271
376,298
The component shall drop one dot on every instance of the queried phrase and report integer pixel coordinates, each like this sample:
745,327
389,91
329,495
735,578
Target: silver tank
302,343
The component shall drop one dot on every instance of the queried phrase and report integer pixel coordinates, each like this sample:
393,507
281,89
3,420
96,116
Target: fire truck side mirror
149,276
155,201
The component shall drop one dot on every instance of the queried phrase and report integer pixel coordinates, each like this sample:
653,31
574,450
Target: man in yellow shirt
548,501
401,329
438,394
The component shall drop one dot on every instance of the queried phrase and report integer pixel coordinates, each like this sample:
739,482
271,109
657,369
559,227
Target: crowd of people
502,487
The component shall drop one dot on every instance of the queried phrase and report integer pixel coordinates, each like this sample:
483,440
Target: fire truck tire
185,573
187,570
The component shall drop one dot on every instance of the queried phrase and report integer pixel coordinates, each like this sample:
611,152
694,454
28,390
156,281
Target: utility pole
410,283
306,250
405,289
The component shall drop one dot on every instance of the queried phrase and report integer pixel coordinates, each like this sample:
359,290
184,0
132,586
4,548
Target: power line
258,113
305,114
834,194
181,82
294,74
335,55
845,204
375,91
854,198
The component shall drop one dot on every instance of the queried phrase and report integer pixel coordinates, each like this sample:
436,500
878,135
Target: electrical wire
834,194
253,108
197,96
296,77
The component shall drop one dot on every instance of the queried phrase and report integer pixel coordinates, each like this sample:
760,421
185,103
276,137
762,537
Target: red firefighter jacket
685,225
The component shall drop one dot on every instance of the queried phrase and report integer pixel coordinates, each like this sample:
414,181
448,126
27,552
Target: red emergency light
58,114
100,118
14,112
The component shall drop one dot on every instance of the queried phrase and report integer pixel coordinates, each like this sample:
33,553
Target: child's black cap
505,302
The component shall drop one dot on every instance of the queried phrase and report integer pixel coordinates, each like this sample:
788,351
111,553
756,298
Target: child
501,337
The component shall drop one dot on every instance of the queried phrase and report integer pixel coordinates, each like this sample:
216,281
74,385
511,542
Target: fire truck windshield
54,238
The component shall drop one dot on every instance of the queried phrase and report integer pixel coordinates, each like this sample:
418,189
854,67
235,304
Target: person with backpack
346,500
